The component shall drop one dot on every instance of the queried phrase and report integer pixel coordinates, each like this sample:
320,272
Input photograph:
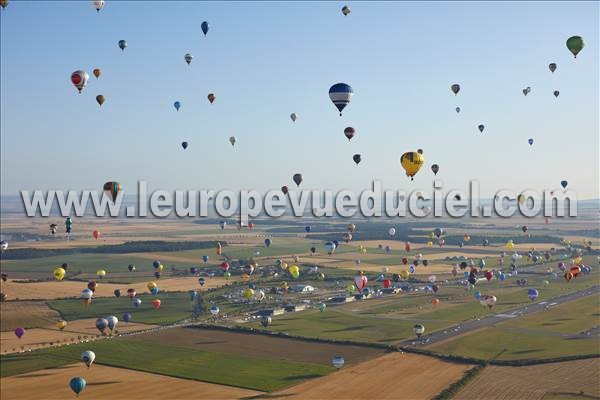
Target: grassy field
149,356
541,335
175,306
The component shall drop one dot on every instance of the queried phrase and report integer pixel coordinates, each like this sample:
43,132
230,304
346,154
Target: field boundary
451,390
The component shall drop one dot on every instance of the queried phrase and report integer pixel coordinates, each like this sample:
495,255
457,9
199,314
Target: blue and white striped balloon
340,94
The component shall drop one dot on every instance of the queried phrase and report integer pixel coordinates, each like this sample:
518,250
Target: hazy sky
266,60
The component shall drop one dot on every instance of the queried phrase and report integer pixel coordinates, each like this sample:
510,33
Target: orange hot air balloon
575,270
568,276
96,234
435,302
97,72
156,304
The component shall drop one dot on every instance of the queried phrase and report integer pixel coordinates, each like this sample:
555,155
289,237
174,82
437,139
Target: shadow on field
297,377
212,342
102,383
31,376
268,396
526,351
350,328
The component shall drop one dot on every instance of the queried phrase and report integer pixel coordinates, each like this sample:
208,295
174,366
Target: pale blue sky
266,60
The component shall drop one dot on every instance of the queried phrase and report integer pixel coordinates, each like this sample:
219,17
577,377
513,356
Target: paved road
468,326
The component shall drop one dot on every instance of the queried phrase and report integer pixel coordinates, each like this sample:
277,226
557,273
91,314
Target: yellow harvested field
16,314
112,383
55,290
38,338
535,382
392,376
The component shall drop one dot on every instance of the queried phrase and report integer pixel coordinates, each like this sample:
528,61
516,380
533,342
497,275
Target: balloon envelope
341,94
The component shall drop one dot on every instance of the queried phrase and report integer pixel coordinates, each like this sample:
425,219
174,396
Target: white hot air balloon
338,362
88,357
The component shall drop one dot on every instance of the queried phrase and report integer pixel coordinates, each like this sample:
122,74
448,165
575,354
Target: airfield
467,351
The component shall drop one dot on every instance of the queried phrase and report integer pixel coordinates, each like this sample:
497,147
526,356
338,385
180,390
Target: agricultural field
263,346
392,376
565,380
560,331
111,382
27,314
250,372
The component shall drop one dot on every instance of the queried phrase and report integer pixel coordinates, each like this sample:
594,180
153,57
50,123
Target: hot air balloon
284,190
357,158
205,258
552,67
117,293
101,324
177,105
214,310
349,132
211,97
101,273
88,357
360,281
204,26
564,184
96,234
340,94
201,281
435,302
156,304
487,300
122,44
556,93
330,247
184,145
112,322
86,294
100,99
98,5
3,3
59,273
419,330
532,294
112,189
219,250
481,128
530,141
265,321
268,242
131,267
232,140
338,362
248,293
97,72
435,168
455,88
346,10
294,271
575,44
19,332
137,302
392,231
188,58
412,162
457,109
61,324
293,117
297,178
526,91
77,385
79,79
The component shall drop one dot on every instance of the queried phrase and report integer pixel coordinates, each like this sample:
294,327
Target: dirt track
392,376
261,345
111,383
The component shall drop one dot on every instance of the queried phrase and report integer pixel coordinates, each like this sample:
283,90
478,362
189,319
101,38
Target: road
468,326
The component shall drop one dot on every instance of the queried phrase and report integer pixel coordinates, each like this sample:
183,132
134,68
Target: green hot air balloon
575,44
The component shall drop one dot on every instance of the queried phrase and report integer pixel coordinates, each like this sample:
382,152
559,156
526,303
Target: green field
222,368
175,306
541,335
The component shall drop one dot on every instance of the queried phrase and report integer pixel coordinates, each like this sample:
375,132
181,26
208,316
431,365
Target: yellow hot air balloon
521,198
577,260
248,293
59,273
412,162
466,238
101,273
61,324
404,274
429,244
151,285
219,249
160,268
284,285
510,245
245,277
294,271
